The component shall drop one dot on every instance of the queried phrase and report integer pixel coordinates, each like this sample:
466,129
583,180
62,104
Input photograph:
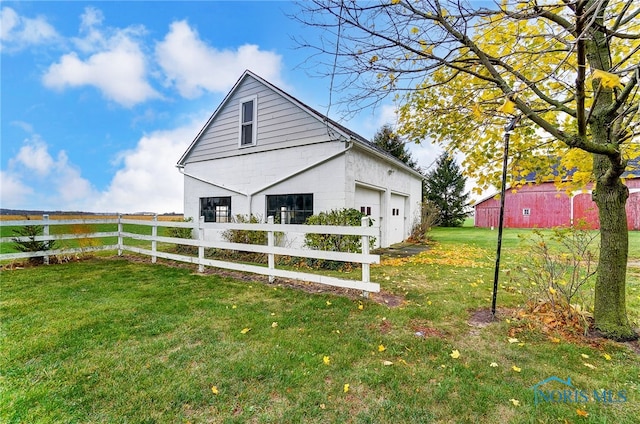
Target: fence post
271,243
366,271
200,246
45,232
120,240
154,242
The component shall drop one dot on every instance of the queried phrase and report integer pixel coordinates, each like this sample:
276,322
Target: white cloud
13,192
18,32
149,180
146,181
34,156
117,66
194,67
37,180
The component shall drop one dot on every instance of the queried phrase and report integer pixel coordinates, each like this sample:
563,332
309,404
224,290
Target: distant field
10,230
91,216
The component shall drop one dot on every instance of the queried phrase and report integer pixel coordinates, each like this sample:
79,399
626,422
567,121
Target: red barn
543,206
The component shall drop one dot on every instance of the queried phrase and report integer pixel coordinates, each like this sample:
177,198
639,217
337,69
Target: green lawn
111,341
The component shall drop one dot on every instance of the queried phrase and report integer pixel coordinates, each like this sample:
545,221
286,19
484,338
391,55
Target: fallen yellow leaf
455,354
345,388
607,356
274,324
516,369
245,330
214,390
582,413
328,303
515,402
584,355
326,360
387,363
588,365
381,348
493,364
513,340
361,306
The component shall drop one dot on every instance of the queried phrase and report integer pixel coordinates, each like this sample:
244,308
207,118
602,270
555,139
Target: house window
290,208
248,121
215,209
526,212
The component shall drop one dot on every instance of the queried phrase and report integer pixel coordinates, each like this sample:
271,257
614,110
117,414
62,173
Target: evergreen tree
444,188
390,142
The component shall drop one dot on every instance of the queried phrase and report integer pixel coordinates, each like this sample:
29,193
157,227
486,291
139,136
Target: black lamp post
508,129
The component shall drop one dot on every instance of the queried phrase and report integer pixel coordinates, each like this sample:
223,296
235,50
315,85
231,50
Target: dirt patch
482,317
634,346
425,329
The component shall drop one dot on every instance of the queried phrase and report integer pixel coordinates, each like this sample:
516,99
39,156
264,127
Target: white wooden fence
198,230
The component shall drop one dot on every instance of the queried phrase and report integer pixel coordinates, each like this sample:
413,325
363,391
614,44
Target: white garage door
368,202
397,219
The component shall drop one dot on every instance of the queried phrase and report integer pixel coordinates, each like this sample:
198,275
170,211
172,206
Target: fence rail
198,231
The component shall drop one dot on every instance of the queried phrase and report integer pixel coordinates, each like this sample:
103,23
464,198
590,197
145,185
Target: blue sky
100,99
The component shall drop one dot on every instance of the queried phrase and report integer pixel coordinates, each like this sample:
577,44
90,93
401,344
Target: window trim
304,213
253,122
216,204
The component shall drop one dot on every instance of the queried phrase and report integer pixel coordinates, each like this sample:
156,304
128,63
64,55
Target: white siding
365,169
317,168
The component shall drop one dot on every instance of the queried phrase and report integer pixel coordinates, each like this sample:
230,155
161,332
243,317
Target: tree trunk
609,306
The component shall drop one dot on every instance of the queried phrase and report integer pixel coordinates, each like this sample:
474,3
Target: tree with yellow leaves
459,71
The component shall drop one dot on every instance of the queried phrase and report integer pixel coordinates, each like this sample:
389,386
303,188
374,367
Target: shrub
557,268
31,245
185,233
246,236
425,219
335,242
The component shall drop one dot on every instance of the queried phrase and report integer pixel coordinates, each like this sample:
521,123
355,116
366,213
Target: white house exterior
264,153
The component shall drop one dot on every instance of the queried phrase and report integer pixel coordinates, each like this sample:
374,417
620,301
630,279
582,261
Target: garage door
368,202
397,219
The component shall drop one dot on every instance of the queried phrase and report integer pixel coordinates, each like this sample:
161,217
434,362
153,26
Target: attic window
248,121
526,212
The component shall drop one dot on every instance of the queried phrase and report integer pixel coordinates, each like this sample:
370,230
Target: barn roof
632,171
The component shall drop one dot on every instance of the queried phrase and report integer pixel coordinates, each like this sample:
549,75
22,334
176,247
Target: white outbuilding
265,153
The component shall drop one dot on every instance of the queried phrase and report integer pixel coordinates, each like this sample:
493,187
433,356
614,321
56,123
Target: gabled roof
340,130
632,171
